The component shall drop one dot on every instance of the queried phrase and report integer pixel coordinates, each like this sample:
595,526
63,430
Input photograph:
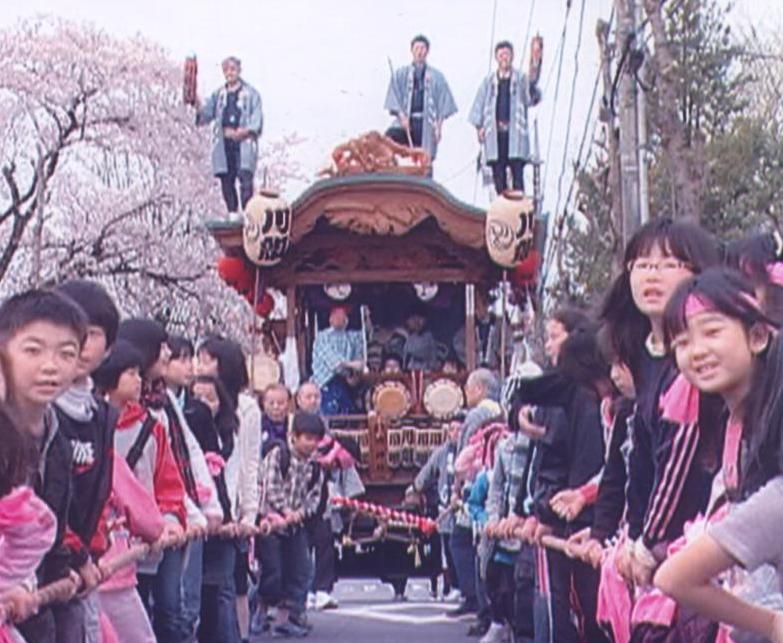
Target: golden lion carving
373,152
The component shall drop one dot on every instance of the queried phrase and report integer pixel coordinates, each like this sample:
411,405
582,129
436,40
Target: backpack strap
141,441
285,453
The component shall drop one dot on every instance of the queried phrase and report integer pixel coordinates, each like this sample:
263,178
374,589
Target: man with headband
235,111
499,114
420,99
337,351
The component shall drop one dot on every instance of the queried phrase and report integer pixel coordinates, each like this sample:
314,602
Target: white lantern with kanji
509,228
267,232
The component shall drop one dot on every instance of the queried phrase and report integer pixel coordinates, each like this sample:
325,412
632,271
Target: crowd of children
135,472
630,491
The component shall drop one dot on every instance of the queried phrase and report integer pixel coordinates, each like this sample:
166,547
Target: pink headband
696,304
775,272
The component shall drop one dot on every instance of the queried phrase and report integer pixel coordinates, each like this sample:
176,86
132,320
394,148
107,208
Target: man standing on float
420,99
499,114
235,110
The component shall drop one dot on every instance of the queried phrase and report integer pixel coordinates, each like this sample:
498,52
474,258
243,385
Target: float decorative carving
393,215
374,152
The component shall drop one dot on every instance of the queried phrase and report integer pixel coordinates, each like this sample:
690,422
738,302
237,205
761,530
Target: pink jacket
130,511
27,532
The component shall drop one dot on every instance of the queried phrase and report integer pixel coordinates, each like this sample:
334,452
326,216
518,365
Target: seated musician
392,364
337,355
420,352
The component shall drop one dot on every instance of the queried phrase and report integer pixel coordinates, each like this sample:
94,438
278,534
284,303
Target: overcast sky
322,65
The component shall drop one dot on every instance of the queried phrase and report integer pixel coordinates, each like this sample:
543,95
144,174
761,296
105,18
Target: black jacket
52,483
610,504
573,451
649,380
92,445
670,469
201,423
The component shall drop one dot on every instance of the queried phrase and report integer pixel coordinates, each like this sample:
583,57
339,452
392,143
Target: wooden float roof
376,227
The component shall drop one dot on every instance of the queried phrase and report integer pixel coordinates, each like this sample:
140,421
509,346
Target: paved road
367,613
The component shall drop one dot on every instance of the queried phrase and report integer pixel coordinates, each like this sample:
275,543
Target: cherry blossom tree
105,176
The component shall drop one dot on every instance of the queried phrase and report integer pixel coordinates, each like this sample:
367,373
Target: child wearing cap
290,486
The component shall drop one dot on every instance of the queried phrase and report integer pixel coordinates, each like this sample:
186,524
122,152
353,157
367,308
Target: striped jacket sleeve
673,457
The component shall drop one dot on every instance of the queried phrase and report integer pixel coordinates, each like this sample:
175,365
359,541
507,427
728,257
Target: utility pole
611,137
629,120
641,128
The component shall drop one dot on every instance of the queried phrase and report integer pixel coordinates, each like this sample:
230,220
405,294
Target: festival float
379,237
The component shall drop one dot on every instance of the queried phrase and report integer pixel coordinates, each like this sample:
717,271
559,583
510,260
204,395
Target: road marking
391,613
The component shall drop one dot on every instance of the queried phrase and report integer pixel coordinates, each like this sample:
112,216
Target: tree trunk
686,163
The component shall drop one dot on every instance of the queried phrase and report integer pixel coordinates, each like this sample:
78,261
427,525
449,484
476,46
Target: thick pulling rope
394,517
61,591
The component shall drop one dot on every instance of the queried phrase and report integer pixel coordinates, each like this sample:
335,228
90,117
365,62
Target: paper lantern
265,305
526,271
190,80
267,231
509,228
236,273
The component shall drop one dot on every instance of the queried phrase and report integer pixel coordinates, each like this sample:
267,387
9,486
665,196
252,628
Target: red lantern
236,273
265,305
525,272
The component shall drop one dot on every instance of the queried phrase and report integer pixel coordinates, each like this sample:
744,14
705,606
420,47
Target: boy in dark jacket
88,422
42,334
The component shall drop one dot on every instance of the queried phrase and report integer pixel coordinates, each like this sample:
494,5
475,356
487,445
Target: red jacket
156,469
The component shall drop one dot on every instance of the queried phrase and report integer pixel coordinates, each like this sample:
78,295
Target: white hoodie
198,465
241,472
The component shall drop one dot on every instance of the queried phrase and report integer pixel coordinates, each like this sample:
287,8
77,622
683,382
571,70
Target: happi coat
438,101
483,114
332,347
251,118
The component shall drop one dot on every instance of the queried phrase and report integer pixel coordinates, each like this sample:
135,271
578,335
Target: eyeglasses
663,266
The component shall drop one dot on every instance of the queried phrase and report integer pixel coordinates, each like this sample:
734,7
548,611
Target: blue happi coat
438,102
332,347
483,114
252,118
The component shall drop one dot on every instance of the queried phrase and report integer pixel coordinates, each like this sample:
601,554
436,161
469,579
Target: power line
492,35
561,47
529,26
570,106
479,163
584,131
579,166
459,172
552,69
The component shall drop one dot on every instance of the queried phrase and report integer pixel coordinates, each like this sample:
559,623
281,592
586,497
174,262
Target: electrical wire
529,27
492,36
480,163
552,69
570,106
579,166
561,48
